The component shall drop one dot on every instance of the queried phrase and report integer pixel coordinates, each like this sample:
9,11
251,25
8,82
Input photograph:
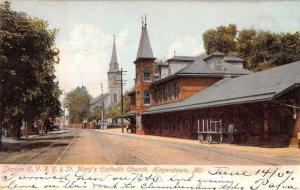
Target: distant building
100,101
114,77
113,96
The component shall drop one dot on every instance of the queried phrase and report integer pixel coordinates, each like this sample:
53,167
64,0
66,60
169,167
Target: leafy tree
95,113
245,43
27,57
260,49
222,39
77,103
115,111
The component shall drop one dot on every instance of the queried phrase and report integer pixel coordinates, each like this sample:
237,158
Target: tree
260,49
77,103
95,113
115,111
245,44
223,39
27,57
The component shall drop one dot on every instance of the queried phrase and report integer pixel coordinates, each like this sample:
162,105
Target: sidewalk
12,140
13,144
233,147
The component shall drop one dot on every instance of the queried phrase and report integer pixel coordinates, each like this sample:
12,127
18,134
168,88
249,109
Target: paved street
89,146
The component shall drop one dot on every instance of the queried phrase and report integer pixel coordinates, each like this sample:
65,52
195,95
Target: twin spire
144,50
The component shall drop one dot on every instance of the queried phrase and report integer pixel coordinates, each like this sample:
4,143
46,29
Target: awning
131,113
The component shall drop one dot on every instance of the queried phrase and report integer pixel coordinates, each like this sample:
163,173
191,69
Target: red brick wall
190,86
140,85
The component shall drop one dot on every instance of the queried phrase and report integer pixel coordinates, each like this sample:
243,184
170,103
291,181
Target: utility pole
122,100
64,117
122,107
102,111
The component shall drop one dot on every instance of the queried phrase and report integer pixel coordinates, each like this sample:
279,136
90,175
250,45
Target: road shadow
18,147
47,138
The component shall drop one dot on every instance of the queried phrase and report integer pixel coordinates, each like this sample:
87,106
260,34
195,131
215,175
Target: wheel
209,139
200,138
230,138
220,139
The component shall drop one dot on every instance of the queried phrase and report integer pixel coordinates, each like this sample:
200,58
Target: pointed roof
114,65
144,50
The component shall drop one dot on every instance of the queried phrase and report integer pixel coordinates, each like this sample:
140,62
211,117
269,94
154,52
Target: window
146,97
115,98
176,89
147,74
158,94
165,93
169,92
115,65
155,95
219,67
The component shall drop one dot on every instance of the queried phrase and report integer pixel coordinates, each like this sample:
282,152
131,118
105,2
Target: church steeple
144,50
114,65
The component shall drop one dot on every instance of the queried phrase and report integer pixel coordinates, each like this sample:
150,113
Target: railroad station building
261,108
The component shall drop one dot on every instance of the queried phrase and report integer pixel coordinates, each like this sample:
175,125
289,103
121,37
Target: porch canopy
262,86
130,116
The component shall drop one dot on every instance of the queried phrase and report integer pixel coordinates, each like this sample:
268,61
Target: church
192,93
113,96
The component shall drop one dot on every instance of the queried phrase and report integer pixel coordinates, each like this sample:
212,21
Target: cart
212,130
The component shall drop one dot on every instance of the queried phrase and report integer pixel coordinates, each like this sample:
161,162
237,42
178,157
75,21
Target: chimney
233,59
215,61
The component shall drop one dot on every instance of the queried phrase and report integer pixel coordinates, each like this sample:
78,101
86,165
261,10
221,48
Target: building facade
113,96
113,75
144,69
259,108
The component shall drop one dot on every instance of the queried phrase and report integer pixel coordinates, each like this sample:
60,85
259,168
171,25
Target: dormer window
147,74
218,66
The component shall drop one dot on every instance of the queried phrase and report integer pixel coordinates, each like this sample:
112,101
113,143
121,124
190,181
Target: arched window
147,74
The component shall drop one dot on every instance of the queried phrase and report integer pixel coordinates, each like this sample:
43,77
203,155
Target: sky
86,30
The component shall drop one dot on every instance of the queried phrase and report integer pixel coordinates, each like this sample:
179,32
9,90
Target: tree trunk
1,145
26,128
17,128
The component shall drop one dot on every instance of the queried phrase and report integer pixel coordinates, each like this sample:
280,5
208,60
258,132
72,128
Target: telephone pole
122,107
122,100
102,111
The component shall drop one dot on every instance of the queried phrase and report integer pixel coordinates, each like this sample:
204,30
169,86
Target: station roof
182,59
216,54
200,68
261,86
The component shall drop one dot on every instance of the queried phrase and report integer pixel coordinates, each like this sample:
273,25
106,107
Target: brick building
262,107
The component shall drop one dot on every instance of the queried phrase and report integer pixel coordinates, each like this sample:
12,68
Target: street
92,146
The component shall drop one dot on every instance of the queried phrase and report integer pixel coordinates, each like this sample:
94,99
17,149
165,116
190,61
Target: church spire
144,50
114,65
